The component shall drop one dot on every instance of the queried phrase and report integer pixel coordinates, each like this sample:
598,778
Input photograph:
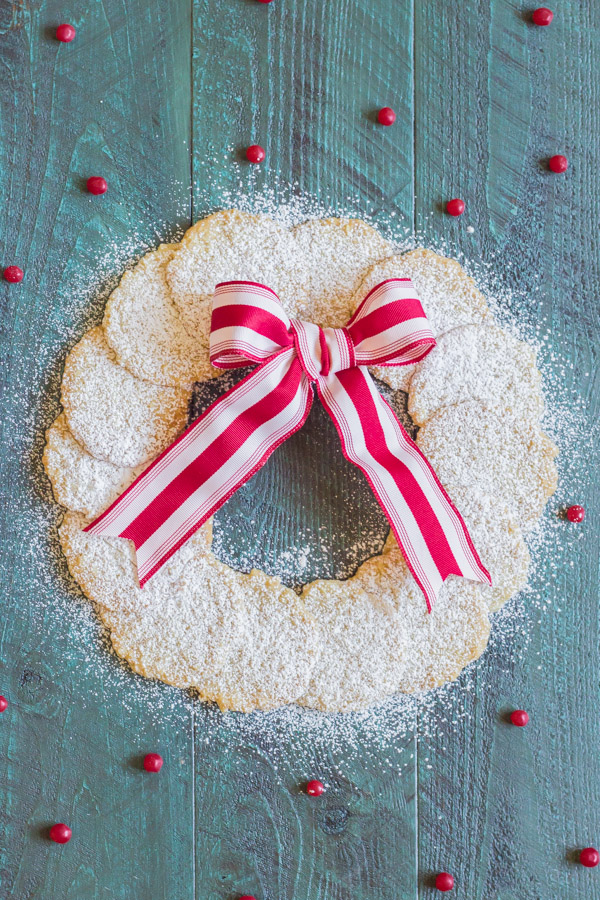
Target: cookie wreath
244,640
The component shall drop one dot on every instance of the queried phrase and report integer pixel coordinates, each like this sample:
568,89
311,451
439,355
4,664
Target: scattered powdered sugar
470,445
81,482
382,728
496,534
162,631
118,418
475,362
145,330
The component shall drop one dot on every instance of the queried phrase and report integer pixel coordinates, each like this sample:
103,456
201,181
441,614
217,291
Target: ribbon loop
225,446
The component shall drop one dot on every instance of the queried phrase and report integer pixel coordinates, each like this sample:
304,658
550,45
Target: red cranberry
455,207
315,788
153,762
576,514
97,185
558,164
542,16
255,153
444,881
519,718
65,33
589,857
60,833
13,274
386,116
3,704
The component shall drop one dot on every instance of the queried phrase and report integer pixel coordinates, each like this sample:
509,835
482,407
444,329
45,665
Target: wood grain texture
162,99
115,102
304,81
505,810
258,831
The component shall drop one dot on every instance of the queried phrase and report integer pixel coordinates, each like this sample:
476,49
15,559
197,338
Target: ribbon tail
214,457
429,529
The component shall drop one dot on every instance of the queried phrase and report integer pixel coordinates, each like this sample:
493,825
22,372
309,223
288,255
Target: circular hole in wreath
308,513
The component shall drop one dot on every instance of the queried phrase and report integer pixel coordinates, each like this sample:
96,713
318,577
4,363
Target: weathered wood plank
304,81
503,809
115,102
257,831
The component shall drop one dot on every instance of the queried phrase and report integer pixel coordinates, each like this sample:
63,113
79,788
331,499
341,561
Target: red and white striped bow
237,434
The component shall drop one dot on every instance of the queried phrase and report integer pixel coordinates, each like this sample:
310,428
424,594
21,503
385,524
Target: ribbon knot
225,446
321,351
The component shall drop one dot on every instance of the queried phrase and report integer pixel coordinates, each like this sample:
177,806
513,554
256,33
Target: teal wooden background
160,98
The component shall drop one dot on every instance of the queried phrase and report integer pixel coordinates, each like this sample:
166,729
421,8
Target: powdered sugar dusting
552,545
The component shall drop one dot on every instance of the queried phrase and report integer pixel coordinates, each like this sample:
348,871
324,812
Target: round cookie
81,482
498,540
145,330
338,252
449,296
315,268
469,445
242,640
477,362
232,245
454,634
117,417
364,640
371,625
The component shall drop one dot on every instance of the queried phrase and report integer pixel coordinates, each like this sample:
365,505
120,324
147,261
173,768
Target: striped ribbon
237,434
